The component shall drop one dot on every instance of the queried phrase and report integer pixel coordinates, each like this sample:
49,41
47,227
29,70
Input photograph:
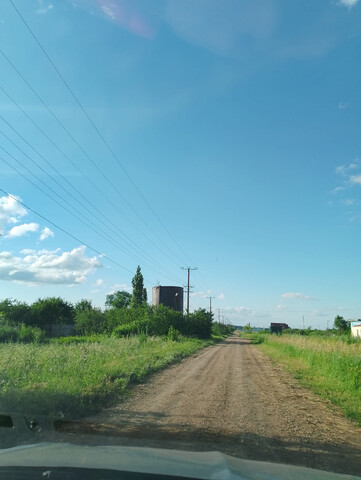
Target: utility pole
210,304
189,269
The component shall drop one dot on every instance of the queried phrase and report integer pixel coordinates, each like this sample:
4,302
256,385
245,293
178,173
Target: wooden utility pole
188,280
210,304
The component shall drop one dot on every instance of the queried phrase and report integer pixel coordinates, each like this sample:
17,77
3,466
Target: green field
330,366
74,379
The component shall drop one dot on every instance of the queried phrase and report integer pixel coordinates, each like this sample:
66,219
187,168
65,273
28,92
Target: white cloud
281,306
355,179
10,211
47,266
345,169
247,313
296,295
108,11
200,294
319,313
21,230
221,296
44,8
349,3
337,189
99,282
119,286
46,233
349,202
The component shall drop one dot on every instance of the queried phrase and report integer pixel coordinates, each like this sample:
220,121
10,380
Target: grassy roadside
329,367
80,378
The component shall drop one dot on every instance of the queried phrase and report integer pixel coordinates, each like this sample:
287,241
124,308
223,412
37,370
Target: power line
96,230
124,249
77,168
96,128
66,232
85,153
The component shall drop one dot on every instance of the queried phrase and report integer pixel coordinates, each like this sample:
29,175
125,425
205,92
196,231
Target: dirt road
231,397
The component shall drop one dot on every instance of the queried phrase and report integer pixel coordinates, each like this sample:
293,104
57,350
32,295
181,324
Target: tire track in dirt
231,397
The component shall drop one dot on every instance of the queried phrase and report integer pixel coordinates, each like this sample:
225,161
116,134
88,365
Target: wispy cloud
355,179
44,8
201,294
120,286
297,296
21,230
348,3
126,16
281,306
221,296
343,105
349,202
345,170
350,176
337,190
319,313
46,233
99,282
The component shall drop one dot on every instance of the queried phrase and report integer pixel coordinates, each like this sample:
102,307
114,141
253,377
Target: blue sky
229,140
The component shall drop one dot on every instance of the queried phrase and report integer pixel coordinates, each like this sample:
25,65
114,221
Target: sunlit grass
329,366
78,378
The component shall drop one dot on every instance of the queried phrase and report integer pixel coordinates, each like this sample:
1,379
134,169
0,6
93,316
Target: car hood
202,465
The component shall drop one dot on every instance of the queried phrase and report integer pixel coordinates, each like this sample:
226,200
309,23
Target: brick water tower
171,297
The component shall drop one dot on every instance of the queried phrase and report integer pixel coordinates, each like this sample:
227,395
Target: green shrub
23,334
173,334
199,324
90,321
31,334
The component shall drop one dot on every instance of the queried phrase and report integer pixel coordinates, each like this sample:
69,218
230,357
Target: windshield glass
179,220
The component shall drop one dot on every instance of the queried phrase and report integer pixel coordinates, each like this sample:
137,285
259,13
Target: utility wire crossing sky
222,135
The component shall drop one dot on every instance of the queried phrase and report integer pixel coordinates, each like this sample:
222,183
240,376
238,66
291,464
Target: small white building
355,328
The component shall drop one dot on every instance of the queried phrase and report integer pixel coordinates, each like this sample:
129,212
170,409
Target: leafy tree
139,292
90,321
341,324
199,324
15,312
119,299
83,305
52,311
119,317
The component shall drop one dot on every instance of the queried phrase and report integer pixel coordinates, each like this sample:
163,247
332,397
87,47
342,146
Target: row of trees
57,311
86,319
124,314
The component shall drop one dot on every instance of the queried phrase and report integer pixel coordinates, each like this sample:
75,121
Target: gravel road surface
231,397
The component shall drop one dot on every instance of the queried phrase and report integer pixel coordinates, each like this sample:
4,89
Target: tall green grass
330,367
75,379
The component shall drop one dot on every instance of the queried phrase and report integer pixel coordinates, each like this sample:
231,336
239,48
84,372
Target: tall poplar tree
139,292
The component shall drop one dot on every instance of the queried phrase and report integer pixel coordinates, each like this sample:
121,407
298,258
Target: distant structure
278,327
171,297
355,327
